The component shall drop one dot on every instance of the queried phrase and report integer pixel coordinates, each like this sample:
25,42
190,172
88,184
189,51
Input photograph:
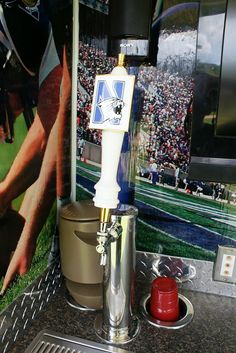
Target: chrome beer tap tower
111,110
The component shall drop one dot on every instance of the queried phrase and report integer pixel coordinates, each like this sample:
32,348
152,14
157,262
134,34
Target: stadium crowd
165,104
92,62
166,97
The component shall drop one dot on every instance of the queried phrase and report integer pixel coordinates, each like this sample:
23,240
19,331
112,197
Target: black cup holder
185,316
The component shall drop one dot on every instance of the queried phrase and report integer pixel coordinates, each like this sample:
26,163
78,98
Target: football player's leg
26,166
35,208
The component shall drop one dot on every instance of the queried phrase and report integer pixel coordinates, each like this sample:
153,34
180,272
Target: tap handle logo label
112,102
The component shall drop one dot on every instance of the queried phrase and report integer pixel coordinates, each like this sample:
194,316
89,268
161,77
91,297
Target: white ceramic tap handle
107,188
111,110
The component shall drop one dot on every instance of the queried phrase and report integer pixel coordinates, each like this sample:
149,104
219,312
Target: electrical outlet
225,265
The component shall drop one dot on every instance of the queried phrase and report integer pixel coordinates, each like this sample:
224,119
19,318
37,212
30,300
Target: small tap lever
105,238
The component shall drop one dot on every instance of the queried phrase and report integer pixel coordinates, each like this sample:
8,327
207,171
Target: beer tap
111,110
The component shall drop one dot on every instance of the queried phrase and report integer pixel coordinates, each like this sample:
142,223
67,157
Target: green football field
7,155
216,219
9,151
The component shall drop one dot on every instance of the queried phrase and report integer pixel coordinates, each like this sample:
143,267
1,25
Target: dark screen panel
212,157
226,116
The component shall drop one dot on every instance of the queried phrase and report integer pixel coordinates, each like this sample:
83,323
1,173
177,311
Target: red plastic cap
164,302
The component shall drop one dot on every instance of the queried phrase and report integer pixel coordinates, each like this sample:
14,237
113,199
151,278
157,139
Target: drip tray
49,342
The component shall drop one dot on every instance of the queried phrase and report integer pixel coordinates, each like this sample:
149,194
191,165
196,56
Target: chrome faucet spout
106,235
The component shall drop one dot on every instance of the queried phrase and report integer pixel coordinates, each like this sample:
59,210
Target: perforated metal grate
47,342
45,347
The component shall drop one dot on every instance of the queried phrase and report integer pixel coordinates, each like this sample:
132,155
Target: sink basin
49,342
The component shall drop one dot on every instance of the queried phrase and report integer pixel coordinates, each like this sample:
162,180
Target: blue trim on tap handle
127,165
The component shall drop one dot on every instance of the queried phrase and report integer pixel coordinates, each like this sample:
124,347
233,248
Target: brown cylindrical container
78,226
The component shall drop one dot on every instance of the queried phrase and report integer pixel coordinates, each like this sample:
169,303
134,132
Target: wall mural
34,135
178,216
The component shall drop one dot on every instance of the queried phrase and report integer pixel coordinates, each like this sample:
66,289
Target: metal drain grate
45,347
48,342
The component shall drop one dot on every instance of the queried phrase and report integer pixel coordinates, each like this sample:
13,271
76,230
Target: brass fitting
121,59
